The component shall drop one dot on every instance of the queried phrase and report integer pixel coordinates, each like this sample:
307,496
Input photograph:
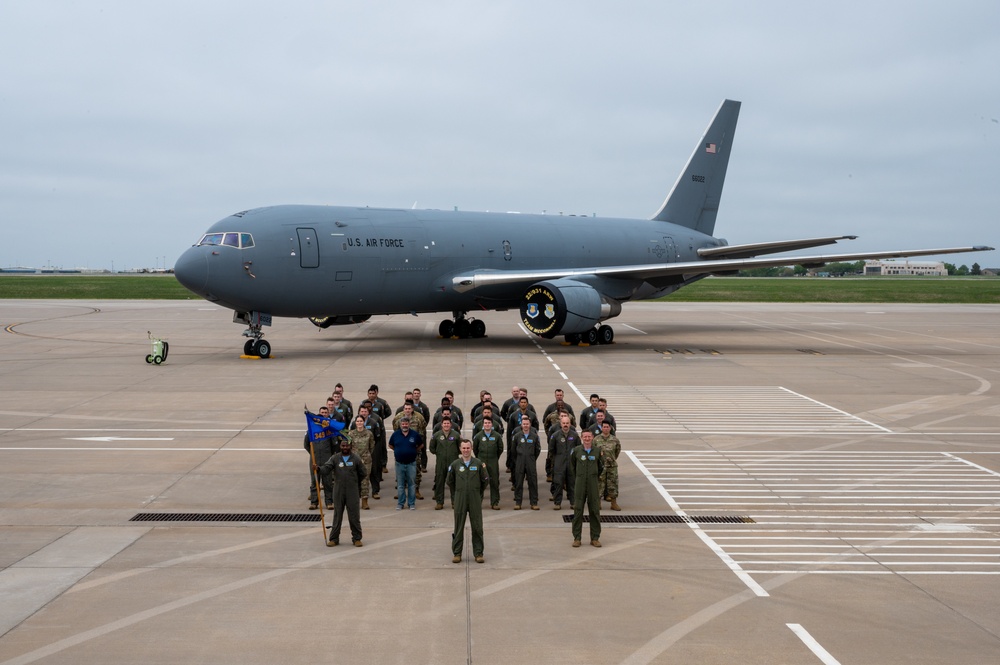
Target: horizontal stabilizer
758,248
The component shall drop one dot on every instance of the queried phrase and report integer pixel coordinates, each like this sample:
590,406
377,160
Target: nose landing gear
255,321
257,347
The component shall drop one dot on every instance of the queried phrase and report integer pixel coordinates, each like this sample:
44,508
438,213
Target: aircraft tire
463,329
478,329
446,328
149,359
605,335
248,348
590,337
262,348
573,339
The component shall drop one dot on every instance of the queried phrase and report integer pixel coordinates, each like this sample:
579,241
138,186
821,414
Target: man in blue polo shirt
406,445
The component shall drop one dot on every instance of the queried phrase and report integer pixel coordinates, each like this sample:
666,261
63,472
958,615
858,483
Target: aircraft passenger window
211,239
246,240
232,240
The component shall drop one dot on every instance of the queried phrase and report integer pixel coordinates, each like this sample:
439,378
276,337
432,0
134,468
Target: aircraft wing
474,279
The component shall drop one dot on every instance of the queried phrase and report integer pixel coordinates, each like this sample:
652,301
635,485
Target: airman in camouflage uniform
363,445
608,485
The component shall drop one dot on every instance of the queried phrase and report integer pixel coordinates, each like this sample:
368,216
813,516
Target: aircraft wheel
157,359
590,337
605,335
248,348
149,359
573,338
262,348
446,328
462,328
478,329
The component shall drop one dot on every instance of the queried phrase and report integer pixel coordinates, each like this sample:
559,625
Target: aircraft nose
191,270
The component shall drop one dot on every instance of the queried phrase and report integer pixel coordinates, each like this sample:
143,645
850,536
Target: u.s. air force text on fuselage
386,243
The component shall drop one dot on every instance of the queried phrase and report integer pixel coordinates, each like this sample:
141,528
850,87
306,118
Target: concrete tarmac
833,472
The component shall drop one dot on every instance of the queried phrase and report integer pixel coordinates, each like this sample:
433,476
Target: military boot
364,503
614,505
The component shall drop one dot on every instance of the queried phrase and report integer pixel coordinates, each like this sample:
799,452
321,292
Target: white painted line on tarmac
146,449
814,646
109,439
705,538
884,429
232,430
972,464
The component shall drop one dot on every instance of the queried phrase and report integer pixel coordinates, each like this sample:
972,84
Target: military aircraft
566,274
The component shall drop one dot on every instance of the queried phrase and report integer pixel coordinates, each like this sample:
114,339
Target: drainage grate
667,519
225,517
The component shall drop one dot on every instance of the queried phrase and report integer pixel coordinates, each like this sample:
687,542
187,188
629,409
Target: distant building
904,267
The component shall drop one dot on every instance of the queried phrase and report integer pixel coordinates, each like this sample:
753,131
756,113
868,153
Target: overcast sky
127,128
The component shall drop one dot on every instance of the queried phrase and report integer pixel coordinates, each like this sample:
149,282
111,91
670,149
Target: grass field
93,287
843,289
713,289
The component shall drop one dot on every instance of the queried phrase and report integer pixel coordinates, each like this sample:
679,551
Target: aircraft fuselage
326,260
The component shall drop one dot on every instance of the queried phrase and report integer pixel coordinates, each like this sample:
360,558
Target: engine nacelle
564,307
327,321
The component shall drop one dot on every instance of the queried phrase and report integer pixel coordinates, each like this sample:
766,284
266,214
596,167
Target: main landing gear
604,334
461,327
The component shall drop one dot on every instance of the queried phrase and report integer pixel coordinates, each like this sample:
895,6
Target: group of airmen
349,468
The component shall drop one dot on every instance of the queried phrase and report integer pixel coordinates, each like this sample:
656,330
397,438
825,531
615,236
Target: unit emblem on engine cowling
540,300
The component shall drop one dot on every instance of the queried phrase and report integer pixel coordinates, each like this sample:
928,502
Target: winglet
694,199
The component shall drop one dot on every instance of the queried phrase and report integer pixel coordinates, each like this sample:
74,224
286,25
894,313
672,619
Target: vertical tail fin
694,199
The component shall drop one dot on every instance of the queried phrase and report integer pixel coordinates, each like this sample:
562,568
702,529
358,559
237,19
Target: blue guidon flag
322,427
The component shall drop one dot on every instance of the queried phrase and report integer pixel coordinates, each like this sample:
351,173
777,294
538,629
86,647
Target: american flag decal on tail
710,148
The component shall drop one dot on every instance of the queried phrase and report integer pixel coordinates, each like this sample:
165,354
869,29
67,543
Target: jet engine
565,307
327,321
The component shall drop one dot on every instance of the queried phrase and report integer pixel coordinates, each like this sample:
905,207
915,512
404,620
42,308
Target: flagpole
319,498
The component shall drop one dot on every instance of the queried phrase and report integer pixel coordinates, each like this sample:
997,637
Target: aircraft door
308,248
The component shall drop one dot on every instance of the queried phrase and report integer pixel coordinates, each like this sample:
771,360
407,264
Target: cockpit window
229,239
